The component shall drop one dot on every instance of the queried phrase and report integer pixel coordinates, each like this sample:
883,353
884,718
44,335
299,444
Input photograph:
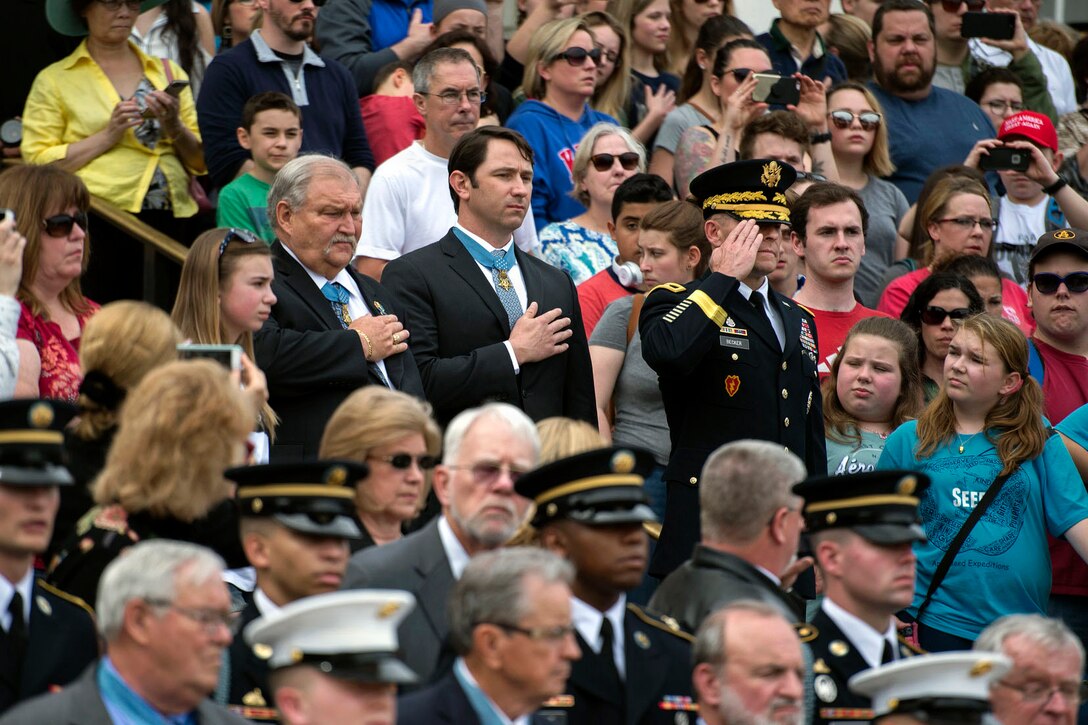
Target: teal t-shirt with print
846,458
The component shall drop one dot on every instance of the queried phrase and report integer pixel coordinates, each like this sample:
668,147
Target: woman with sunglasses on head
935,310
985,434
699,103
50,208
395,435
958,219
582,246
859,141
224,297
560,78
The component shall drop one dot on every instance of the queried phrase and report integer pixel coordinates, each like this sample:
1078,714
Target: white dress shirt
772,313
25,587
455,552
264,605
587,620
869,642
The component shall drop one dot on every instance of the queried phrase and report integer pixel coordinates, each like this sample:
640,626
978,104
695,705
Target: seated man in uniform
333,657
863,527
634,668
295,522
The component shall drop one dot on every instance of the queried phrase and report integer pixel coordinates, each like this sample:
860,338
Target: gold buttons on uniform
785,393
693,480
736,356
783,364
786,422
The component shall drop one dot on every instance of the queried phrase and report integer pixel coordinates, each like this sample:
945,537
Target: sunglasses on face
739,74
953,6
842,119
610,55
115,5
577,56
61,224
317,3
603,162
936,315
237,235
403,461
1047,283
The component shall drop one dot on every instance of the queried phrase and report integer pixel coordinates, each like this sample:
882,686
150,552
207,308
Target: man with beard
748,667
277,58
928,127
331,330
485,451
408,204
590,509
735,359
795,46
863,527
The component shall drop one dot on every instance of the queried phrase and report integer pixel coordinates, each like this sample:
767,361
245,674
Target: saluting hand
736,256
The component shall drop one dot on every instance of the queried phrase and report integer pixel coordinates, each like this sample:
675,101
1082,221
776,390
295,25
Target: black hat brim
340,526
46,475
890,533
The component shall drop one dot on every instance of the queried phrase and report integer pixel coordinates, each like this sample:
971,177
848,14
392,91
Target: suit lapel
464,266
434,570
298,280
645,674
534,282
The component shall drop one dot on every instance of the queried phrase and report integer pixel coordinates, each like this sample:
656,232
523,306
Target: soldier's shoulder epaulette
670,286
653,528
807,310
805,631
70,598
661,622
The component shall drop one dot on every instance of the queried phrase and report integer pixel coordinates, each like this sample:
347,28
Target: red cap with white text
1034,127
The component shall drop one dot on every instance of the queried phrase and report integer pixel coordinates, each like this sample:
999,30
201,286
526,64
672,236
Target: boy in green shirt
271,131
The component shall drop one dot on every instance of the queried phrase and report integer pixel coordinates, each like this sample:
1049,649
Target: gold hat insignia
40,415
256,505
1065,234
831,518
388,609
336,476
297,655
262,651
254,698
551,510
980,668
906,485
623,462
772,174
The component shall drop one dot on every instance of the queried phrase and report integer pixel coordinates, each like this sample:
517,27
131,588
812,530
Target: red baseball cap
1035,127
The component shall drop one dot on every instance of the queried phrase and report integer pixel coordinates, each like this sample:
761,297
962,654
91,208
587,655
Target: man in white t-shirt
408,202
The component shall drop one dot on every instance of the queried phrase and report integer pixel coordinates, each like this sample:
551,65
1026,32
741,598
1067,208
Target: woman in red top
50,207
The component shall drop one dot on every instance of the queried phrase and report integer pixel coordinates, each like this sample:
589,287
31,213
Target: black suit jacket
723,378
62,643
446,702
416,563
459,326
311,362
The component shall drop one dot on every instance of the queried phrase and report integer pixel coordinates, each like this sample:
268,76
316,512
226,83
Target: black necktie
609,672
758,307
16,641
889,654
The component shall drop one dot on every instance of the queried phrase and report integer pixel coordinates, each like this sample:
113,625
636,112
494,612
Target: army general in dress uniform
735,359
635,668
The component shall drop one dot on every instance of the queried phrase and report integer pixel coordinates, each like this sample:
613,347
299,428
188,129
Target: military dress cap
32,442
753,189
932,685
601,487
880,506
1074,240
351,635
313,497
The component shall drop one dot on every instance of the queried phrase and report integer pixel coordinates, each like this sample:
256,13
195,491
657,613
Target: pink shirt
1014,299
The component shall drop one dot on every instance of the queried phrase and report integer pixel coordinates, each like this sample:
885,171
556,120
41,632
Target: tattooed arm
696,152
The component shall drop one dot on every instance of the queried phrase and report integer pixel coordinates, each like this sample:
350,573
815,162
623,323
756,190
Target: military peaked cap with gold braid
315,497
598,487
754,189
32,442
880,506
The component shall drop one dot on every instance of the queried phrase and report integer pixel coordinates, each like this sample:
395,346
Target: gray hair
425,67
585,153
492,589
151,570
709,646
1049,633
292,182
520,425
742,485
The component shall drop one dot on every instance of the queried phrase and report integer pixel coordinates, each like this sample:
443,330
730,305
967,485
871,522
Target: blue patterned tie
504,287
338,297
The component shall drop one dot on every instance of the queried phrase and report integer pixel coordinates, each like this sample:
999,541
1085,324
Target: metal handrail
138,230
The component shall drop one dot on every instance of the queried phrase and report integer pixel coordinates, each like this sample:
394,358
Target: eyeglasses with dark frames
317,3
210,619
237,235
967,223
452,98
936,315
403,461
60,225
539,634
953,6
577,56
486,473
1000,108
604,162
1047,283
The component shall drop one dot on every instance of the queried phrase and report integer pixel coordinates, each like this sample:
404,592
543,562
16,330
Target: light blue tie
504,287
338,297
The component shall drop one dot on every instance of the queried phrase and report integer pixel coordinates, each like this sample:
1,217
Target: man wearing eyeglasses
635,668
510,625
408,204
956,66
484,452
164,612
295,523
1044,685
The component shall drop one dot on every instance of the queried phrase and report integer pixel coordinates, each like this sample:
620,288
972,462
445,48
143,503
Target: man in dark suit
751,525
510,624
485,450
635,669
735,359
863,528
331,330
163,653
490,322
295,523
48,636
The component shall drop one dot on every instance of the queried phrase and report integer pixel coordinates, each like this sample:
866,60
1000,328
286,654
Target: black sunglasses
603,162
403,460
935,315
237,235
953,6
842,119
739,74
577,56
61,224
317,3
1047,283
